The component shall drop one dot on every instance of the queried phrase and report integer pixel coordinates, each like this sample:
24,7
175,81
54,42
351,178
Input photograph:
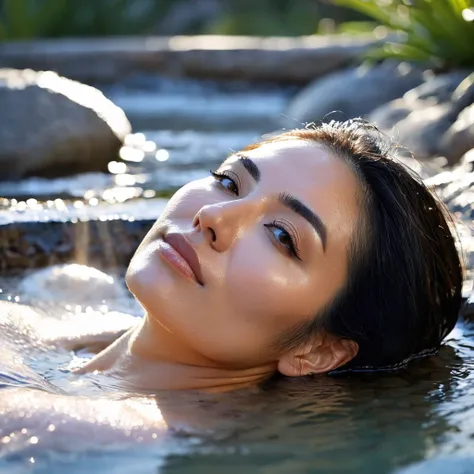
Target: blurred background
108,106
23,19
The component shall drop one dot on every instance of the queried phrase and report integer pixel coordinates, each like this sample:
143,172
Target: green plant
436,31
27,19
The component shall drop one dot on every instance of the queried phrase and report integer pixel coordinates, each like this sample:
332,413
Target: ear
319,356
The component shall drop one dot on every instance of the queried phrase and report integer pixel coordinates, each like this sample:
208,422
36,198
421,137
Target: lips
179,243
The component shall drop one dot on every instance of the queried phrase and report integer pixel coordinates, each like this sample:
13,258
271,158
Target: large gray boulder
434,119
353,92
52,126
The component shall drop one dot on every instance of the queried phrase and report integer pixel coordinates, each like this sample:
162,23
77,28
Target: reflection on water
352,423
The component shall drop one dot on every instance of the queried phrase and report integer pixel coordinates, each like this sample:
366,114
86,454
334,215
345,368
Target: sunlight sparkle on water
60,204
128,153
120,194
149,193
117,167
162,155
149,146
135,139
125,180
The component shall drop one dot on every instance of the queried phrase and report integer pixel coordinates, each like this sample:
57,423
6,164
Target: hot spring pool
346,424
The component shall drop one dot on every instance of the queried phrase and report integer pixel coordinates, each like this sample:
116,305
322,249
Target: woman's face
271,232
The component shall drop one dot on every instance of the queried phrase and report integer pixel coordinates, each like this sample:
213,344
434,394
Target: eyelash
220,175
293,250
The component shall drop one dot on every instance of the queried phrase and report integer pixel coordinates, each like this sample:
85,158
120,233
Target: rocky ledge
103,235
294,60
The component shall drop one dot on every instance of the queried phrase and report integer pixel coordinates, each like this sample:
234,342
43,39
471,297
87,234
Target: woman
311,252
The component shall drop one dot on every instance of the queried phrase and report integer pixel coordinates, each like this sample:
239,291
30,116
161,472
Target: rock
459,138
91,60
434,119
51,126
103,236
435,90
354,92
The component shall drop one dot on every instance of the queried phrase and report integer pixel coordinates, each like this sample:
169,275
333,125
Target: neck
148,358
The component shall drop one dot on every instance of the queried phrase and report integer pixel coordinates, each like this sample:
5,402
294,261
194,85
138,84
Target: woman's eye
284,238
226,181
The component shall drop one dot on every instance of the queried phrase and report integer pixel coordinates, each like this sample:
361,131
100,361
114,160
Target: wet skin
263,268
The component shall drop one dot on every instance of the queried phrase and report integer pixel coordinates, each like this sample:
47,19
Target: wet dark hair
403,291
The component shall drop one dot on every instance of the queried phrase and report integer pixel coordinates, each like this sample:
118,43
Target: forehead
309,171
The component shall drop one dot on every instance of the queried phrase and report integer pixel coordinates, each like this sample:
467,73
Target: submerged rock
353,92
434,119
52,126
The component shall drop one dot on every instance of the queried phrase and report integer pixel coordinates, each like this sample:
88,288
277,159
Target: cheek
267,288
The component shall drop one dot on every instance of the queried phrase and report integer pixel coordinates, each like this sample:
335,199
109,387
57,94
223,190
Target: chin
146,277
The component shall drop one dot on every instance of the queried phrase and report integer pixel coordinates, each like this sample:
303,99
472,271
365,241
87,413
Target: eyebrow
289,201
306,213
250,166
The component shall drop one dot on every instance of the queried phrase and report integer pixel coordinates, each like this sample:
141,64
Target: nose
223,223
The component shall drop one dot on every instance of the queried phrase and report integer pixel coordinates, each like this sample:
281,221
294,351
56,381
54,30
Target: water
422,416
350,424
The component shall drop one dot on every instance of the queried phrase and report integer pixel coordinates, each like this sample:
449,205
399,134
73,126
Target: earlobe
318,358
